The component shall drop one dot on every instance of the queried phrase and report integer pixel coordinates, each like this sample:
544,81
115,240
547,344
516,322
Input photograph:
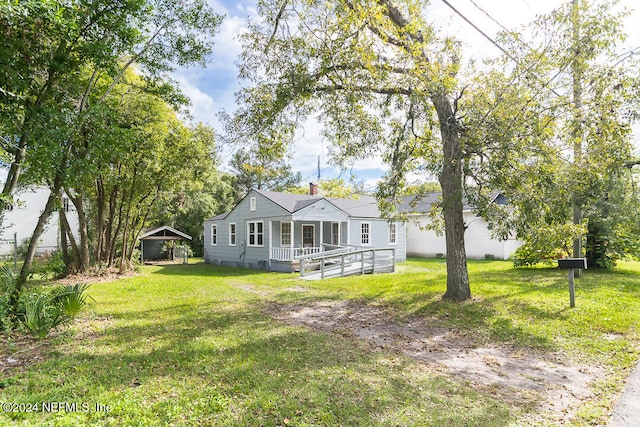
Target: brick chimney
313,189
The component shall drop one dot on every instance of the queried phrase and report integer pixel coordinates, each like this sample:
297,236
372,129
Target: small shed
151,242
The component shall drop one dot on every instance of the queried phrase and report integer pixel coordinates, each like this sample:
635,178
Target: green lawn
195,345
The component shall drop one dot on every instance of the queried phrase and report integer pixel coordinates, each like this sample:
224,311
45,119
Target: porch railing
289,254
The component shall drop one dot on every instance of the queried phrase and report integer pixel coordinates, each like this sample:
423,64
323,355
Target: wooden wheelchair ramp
347,262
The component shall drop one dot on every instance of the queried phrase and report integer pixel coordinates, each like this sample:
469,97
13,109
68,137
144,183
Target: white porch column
321,234
270,240
292,237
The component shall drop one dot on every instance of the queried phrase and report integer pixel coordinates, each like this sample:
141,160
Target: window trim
362,234
394,225
282,223
233,235
255,245
214,234
66,204
252,204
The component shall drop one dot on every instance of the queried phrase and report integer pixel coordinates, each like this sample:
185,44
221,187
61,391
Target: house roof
219,216
164,233
290,202
422,203
363,207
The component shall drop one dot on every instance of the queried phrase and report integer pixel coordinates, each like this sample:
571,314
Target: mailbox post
571,264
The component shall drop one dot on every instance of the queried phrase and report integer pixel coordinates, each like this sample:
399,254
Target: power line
503,50
480,31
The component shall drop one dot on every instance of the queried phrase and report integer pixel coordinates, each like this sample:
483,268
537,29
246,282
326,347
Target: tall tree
262,171
185,208
384,82
574,109
54,55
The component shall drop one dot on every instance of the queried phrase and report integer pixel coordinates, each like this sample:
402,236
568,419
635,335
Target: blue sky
212,89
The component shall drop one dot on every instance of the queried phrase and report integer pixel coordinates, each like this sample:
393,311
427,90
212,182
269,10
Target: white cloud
212,89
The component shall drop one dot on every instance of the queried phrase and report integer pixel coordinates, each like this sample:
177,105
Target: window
256,233
214,234
252,204
232,234
65,204
335,233
393,233
285,233
365,232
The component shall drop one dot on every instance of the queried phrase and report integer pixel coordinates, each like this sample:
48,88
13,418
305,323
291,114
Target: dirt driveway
516,376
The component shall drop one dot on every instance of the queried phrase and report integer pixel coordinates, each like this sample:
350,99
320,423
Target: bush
50,265
71,299
546,244
7,285
40,315
46,308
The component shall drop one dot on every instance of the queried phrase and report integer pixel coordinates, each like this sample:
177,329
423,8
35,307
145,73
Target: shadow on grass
201,269
222,366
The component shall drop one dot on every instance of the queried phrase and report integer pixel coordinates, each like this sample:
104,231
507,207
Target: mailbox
572,263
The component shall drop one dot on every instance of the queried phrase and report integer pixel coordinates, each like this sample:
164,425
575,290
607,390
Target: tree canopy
74,116
384,83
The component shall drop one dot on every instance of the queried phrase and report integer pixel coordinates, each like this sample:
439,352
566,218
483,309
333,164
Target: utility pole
577,68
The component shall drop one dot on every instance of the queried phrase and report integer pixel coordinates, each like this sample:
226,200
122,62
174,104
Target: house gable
320,210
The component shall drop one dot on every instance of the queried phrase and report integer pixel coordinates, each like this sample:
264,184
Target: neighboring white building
21,219
477,237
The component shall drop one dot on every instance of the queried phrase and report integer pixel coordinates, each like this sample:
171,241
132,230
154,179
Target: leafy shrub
546,244
71,299
46,308
23,248
7,285
40,315
50,265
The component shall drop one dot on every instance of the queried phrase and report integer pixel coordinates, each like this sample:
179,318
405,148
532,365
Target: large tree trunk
28,261
78,202
65,230
458,288
100,219
33,243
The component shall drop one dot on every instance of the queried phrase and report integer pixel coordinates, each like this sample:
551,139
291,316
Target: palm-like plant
71,299
40,315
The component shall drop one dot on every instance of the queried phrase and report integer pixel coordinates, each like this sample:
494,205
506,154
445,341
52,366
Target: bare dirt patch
20,351
516,375
95,277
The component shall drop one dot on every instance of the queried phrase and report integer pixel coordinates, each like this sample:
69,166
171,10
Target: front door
308,236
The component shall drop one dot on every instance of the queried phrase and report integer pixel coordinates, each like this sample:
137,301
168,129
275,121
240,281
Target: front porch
292,239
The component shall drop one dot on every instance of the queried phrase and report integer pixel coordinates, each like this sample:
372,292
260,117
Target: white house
479,243
20,219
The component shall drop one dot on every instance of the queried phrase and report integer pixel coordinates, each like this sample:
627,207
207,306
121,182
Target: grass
192,345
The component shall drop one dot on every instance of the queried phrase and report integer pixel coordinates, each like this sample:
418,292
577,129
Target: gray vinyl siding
242,254
379,235
270,213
